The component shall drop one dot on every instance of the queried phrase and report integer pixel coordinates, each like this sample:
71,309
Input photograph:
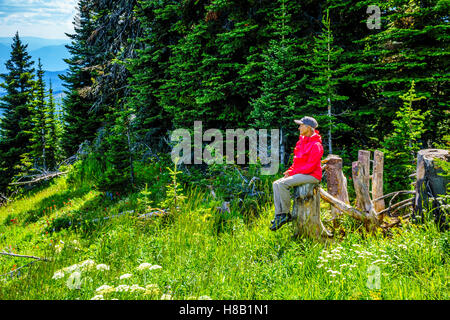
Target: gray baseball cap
309,121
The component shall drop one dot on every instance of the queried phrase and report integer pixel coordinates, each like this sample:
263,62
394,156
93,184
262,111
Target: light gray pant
281,192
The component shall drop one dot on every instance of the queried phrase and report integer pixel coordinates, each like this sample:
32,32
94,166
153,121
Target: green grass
204,254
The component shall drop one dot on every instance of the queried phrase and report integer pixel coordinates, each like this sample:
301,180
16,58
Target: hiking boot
280,219
289,218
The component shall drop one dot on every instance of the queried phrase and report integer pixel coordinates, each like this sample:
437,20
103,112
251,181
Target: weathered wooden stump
306,212
429,184
336,183
377,181
363,201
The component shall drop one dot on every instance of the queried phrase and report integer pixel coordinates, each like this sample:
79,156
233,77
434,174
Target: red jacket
307,155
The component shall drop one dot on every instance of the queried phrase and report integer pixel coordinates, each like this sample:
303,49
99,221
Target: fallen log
38,178
342,206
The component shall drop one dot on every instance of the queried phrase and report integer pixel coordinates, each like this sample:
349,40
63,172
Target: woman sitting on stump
306,168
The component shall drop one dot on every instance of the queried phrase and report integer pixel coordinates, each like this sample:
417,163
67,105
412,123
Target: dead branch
39,177
342,206
394,193
398,205
22,256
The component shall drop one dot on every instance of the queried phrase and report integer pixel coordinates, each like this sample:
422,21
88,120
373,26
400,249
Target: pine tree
326,72
16,125
40,134
80,123
149,69
412,44
403,143
51,130
282,79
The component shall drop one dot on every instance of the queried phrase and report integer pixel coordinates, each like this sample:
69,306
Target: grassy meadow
99,248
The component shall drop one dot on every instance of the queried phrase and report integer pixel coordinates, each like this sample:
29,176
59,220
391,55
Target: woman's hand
286,174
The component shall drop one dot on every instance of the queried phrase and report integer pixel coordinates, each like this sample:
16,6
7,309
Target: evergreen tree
402,144
40,134
80,123
282,79
326,72
149,69
16,124
412,44
51,130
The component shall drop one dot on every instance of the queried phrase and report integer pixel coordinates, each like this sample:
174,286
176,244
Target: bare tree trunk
130,157
306,213
336,183
363,197
377,181
430,184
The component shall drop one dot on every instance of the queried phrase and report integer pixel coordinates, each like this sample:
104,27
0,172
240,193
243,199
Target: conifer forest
97,201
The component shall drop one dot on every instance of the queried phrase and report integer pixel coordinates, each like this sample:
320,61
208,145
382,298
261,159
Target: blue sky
48,19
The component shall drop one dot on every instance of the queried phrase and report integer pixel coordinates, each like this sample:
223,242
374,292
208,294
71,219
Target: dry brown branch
342,206
39,177
398,206
395,193
23,256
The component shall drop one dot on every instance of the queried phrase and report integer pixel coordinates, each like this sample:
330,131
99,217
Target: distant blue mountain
51,57
34,43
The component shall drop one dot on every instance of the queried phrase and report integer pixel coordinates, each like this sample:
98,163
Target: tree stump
336,183
429,184
306,212
377,180
364,169
363,198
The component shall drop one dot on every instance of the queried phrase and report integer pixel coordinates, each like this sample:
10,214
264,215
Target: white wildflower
87,264
136,287
58,275
98,297
155,267
102,267
166,297
72,268
122,287
104,288
402,246
320,266
125,276
151,286
204,298
58,248
144,266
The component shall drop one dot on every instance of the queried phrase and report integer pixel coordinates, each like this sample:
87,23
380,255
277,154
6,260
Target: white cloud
38,18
